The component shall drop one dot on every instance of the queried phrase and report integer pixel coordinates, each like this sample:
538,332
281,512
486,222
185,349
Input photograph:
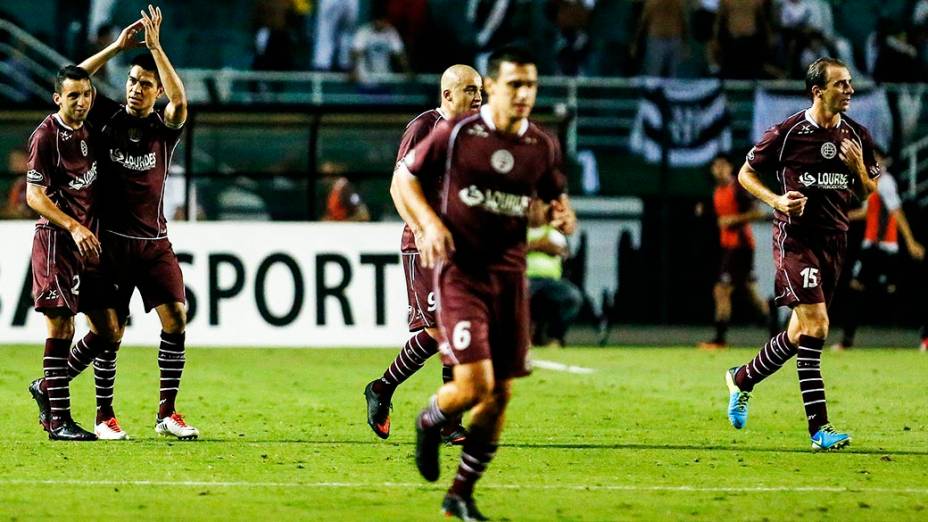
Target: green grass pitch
643,437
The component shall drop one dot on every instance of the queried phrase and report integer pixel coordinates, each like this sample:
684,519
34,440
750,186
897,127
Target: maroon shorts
808,264
147,264
737,266
419,293
60,277
485,316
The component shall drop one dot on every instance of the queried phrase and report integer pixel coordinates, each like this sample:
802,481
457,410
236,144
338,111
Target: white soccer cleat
175,425
110,430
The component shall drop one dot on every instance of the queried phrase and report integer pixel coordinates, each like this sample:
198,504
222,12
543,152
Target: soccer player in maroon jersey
735,210
460,94
491,164
138,144
62,182
822,160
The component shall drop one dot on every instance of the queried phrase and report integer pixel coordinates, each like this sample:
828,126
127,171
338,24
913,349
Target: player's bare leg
52,393
721,293
106,331
171,359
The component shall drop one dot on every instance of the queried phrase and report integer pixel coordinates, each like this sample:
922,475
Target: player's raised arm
127,40
175,114
435,244
792,203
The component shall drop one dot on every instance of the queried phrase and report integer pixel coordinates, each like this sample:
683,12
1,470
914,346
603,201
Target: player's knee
815,326
475,391
174,319
433,332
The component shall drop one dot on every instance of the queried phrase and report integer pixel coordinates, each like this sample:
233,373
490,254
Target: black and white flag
697,122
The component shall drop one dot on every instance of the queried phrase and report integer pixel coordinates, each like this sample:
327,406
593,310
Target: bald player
461,87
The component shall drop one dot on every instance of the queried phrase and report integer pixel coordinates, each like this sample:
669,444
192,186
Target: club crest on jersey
34,176
84,148
502,161
829,150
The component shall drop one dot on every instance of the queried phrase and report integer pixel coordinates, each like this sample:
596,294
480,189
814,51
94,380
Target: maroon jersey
489,180
62,160
416,131
136,155
804,157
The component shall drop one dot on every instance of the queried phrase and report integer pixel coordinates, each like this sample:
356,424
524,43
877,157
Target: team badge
83,147
829,150
502,161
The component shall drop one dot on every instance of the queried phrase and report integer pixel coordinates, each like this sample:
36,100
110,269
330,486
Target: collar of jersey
488,119
62,123
811,120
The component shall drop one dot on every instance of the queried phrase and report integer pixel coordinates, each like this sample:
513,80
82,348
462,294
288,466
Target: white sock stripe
817,350
60,409
50,358
171,359
809,369
55,369
813,359
415,361
467,456
390,371
810,379
65,398
57,388
105,370
760,359
813,391
418,352
110,396
469,469
168,389
813,402
168,342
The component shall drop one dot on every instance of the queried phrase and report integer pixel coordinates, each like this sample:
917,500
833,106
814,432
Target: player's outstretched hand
563,217
852,155
152,22
793,203
87,244
128,37
436,244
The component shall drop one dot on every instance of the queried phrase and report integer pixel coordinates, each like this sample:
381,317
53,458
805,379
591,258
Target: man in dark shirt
822,160
138,144
460,94
61,187
491,164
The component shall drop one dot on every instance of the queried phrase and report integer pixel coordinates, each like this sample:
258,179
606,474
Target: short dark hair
147,62
817,74
70,72
509,53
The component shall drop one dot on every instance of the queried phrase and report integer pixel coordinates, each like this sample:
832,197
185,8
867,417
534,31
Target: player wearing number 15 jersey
822,160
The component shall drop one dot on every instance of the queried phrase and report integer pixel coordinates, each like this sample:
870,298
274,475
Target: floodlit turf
643,437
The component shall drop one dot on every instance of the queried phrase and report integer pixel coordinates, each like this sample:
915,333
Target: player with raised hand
139,144
492,164
460,94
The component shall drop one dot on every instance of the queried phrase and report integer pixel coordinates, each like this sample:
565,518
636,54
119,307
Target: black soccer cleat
41,399
455,506
428,441
378,411
454,434
70,430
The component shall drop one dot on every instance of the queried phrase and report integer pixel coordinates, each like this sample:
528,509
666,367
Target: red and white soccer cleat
175,425
110,430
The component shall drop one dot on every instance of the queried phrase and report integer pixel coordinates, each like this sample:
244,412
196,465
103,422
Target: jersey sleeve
171,135
763,157
867,147
428,158
42,158
414,134
552,182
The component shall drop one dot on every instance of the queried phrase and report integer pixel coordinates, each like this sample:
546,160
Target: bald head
460,90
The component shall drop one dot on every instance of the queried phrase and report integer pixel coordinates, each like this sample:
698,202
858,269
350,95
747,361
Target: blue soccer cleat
828,438
737,401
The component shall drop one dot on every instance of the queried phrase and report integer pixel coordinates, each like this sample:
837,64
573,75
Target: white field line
561,367
415,485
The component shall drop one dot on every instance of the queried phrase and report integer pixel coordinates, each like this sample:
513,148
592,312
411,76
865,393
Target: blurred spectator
495,24
104,35
572,18
16,207
663,29
410,18
795,18
890,55
554,301
704,19
274,43
336,21
376,47
343,202
742,33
